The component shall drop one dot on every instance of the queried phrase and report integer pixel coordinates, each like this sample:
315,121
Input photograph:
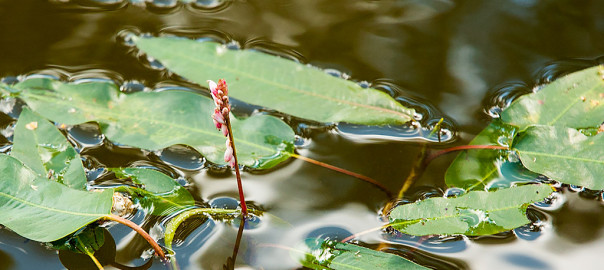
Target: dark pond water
452,59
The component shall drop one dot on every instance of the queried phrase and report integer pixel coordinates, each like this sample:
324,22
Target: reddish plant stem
463,147
344,171
140,231
239,185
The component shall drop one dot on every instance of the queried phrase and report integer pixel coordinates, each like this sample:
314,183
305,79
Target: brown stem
344,171
464,147
239,185
140,231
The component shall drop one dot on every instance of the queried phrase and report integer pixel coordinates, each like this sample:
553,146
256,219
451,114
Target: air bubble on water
364,84
576,188
233,45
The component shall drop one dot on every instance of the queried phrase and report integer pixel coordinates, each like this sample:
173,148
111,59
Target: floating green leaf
342,256
473,169
475,213
564,154
155,120
157,191
44,210
276,83
44,149
575,101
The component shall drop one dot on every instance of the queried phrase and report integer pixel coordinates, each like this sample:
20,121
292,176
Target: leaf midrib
51,209
561,156
94,109
284,86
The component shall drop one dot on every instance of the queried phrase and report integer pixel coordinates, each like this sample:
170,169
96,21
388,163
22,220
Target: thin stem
96,262
356,235
416,171
344,171
140,231
239,185
464,147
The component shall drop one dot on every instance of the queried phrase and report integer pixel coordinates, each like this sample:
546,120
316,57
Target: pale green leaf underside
475,213
575,100
44,149
157,191
564,154
44,210
155,120
276,83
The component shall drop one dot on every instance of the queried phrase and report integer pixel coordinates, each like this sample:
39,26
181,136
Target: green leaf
276,83
157,191
155,120
475,213
344,256
564,154
44,210
575,100
474,169
44,149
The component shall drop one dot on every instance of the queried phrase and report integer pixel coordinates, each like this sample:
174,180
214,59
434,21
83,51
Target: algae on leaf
155,120
276,83
474,213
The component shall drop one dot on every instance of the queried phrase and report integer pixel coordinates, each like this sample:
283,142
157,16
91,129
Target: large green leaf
276,83
474,169
154,120
564,154
44,149
344,256
575,100
156,190
475,213
44,210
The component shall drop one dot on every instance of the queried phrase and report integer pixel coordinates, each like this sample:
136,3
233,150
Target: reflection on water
463,61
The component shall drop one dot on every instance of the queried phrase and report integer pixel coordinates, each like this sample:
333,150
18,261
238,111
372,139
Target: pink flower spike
218,117
228,154
224,130
212,85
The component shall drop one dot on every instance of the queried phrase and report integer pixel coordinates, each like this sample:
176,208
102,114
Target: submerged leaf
155,120
90,238
474,169
44,210
44,149
276,83
157,191
475,213
564,154
575,100
341,256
